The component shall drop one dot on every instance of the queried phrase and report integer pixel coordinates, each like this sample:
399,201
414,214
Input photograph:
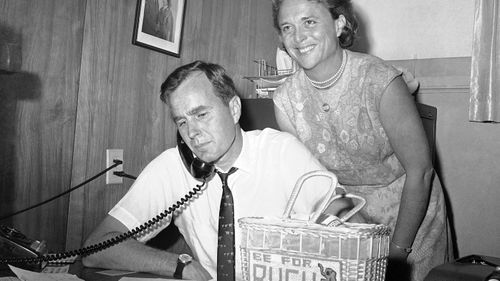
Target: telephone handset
16,249
199,169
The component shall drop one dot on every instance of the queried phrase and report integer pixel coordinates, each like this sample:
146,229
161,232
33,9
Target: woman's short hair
336,8
216,74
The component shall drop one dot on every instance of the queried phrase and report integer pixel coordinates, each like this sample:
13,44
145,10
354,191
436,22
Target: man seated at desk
263,166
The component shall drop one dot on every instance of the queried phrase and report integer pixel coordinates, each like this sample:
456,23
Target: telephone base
10,249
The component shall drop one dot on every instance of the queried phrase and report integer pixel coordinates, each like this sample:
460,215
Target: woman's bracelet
406,250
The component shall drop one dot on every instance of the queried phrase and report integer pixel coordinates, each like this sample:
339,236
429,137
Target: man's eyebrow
192,112
198,109
177,118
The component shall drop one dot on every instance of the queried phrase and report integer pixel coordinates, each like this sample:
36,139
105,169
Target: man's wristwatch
182,261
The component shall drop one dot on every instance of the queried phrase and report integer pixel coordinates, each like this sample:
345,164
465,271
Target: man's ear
235,108
340,24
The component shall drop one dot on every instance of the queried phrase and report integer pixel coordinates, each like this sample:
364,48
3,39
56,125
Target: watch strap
178,270
182,261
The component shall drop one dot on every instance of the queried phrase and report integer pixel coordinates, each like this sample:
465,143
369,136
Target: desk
90,274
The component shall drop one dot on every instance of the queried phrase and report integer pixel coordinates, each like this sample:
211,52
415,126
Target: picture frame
158,25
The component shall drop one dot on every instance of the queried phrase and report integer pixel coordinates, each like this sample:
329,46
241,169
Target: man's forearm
132,255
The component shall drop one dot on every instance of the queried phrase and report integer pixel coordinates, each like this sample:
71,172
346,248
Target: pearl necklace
333,79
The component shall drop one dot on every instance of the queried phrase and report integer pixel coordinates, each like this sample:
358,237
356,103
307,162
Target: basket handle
298,187
334,220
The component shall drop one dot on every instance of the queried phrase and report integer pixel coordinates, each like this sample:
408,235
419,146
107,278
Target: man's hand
341,207
194,271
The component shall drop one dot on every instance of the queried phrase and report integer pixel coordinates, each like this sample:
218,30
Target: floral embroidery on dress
326,135
344,136
299,106
302,128
321,148
364,123
353,145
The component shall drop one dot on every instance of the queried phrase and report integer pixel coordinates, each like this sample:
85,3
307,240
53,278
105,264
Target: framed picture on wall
158,25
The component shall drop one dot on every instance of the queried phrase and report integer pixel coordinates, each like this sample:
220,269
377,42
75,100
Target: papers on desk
112,272
26,275
9,278
142,279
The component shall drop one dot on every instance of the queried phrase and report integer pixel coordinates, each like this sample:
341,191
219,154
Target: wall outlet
112,154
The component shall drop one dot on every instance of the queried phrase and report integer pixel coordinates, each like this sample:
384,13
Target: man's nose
193,129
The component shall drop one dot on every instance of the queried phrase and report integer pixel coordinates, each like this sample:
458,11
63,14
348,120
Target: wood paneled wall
38,113
85,88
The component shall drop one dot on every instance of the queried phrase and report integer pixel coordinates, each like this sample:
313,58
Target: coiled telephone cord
110,242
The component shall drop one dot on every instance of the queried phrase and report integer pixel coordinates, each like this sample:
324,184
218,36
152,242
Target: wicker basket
286,249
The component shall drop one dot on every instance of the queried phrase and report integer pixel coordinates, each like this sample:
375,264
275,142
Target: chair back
259,114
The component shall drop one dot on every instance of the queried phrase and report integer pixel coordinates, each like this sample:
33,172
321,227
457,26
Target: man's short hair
216,74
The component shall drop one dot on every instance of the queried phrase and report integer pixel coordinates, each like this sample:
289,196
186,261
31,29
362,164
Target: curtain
484,105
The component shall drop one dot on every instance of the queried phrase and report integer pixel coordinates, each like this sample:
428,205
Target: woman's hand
397,270
397,267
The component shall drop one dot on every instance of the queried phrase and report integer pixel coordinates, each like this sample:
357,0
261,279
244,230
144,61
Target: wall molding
439,75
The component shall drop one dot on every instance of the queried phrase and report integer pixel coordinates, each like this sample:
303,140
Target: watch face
185,258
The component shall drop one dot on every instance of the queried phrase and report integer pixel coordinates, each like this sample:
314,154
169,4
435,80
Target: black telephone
17,249
15,244
199,169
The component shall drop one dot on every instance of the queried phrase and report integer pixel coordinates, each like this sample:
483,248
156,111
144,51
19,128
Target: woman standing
355,113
